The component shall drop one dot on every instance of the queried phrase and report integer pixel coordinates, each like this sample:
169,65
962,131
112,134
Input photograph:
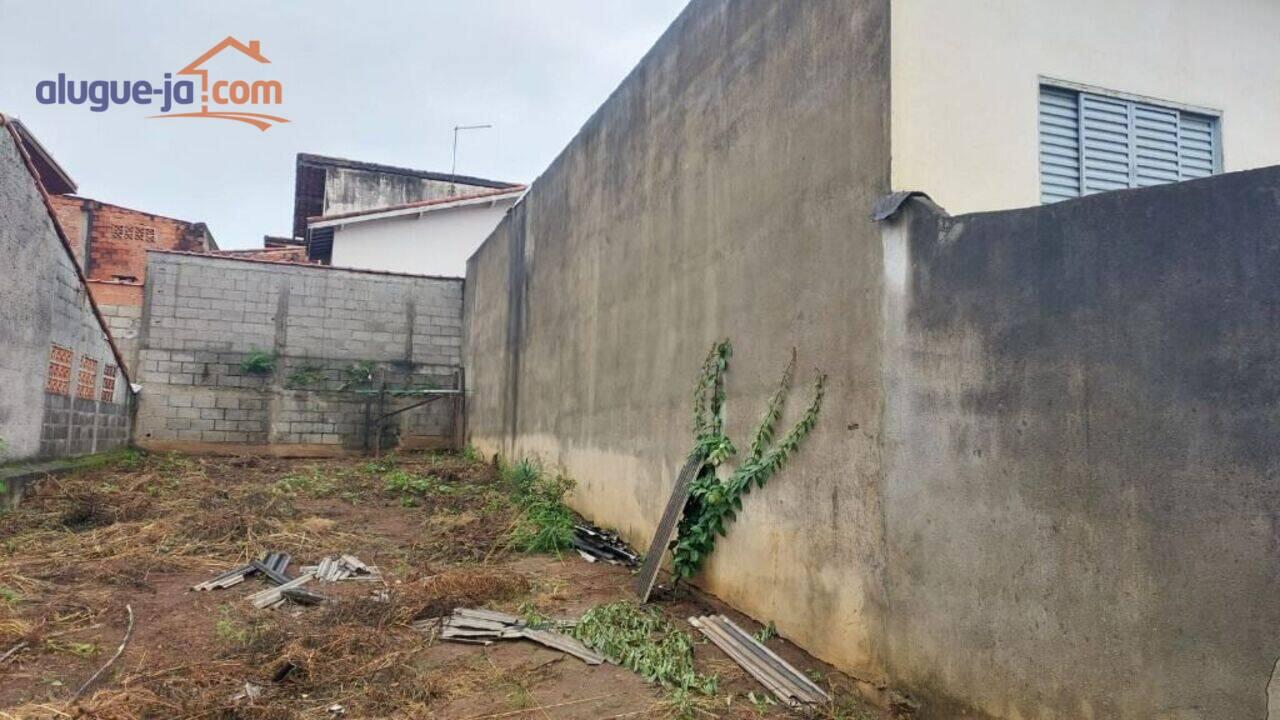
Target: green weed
642,640
258,362
232,631
766,633
406,483
9,596
314,484
380,466
545,523
123,459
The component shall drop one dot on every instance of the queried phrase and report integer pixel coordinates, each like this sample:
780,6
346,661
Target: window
1092,143
58,381
108,383
88,380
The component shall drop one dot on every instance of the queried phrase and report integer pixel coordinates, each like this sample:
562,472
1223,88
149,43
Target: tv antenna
453,169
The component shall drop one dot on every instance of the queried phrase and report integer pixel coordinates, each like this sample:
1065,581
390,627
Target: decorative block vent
108,383
58,381
88,380
134,233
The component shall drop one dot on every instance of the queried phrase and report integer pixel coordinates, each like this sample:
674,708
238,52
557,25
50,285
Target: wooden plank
666,530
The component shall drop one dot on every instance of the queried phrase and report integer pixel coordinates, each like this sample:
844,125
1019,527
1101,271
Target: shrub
545,523
258,362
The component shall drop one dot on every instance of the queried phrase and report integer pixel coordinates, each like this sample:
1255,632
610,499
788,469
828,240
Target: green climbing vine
714,503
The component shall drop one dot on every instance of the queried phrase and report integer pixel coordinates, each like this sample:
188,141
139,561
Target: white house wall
965,82
434,243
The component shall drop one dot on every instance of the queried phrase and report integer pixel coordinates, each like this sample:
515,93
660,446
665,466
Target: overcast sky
377,81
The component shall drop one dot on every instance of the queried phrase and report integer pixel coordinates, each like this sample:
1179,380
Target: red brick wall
297,254
67,210
111,293
120,237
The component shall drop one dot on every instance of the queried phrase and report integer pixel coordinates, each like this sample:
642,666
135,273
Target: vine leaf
714,504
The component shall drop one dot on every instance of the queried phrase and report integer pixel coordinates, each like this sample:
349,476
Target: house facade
430,237
325,187
1067,99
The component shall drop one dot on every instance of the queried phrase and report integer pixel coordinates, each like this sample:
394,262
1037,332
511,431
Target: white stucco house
427,237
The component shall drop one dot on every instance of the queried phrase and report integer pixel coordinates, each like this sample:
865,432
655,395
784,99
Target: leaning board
648,574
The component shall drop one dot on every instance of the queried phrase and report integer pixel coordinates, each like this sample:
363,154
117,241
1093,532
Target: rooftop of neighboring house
419,207
52,176
313,171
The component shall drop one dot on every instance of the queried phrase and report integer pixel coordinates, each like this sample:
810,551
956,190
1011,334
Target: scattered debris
13,651
273,597
273,562
302,596
344,567
128,633
594,544
484,626
784,681
250,692
226,579
284,671
666,531
336,710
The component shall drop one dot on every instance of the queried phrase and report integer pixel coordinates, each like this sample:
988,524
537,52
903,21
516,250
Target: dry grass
142,529
83,539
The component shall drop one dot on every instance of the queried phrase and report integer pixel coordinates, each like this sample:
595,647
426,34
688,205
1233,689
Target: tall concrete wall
43,303
205,314
1082,406
722,191
1043,483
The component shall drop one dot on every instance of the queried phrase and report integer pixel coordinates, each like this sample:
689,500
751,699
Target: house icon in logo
228,97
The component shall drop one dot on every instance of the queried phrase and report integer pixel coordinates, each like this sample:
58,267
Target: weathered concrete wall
1082,407
350,189
204,314
722,191
1043,483
43,302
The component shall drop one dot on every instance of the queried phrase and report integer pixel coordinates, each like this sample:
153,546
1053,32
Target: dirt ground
140,530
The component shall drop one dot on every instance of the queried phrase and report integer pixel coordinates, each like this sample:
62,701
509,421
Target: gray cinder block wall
43,303
1043,483
125,324
204,315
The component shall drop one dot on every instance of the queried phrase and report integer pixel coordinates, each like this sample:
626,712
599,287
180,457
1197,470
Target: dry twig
128,633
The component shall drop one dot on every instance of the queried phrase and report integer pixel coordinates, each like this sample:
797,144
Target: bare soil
140,530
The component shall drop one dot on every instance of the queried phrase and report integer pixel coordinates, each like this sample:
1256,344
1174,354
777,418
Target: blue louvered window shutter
1093,143
1059,145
